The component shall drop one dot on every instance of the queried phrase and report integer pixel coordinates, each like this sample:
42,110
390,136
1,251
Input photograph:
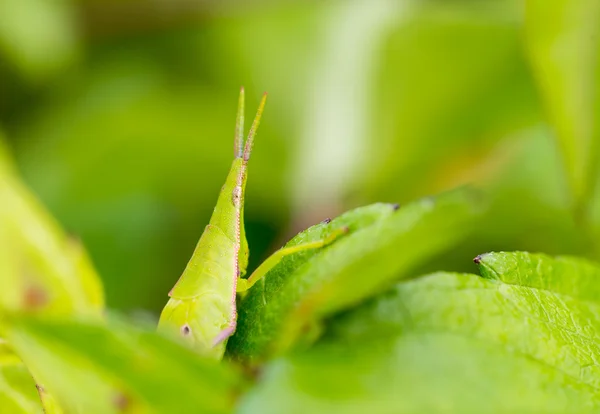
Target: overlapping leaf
17,389
526,340
41,268
382,245
120,368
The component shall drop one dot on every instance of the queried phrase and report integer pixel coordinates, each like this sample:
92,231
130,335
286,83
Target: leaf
569,276
41,269
17,388
252,330
446,124
381,246
562,40
31,29
120,368
448,343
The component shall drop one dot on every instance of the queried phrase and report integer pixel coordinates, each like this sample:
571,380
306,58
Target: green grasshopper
202,304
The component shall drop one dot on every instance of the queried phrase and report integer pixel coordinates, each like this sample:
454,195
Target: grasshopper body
201,308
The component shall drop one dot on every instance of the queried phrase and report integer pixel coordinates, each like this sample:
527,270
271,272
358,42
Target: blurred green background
120,116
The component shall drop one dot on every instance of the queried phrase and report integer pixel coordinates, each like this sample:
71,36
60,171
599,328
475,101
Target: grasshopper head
190,323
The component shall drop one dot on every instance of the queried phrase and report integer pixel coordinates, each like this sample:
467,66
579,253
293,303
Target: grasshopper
202,305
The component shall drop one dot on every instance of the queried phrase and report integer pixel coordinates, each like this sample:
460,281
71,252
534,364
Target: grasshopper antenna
252,133
238,145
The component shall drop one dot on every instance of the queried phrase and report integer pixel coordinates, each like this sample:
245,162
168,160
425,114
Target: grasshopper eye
236,196
186,330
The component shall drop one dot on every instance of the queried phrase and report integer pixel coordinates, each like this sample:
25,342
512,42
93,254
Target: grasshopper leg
245,284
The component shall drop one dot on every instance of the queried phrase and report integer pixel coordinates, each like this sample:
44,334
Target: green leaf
38,37
562,39
93,368
382,246
41,268
569,276
460,127
17,388
448,343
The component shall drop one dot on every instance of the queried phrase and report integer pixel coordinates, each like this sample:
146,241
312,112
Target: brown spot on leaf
34,298
121,402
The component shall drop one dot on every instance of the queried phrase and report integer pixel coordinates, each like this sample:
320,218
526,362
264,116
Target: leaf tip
477,260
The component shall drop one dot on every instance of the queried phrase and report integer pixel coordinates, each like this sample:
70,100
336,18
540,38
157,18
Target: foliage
451,342
117,118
